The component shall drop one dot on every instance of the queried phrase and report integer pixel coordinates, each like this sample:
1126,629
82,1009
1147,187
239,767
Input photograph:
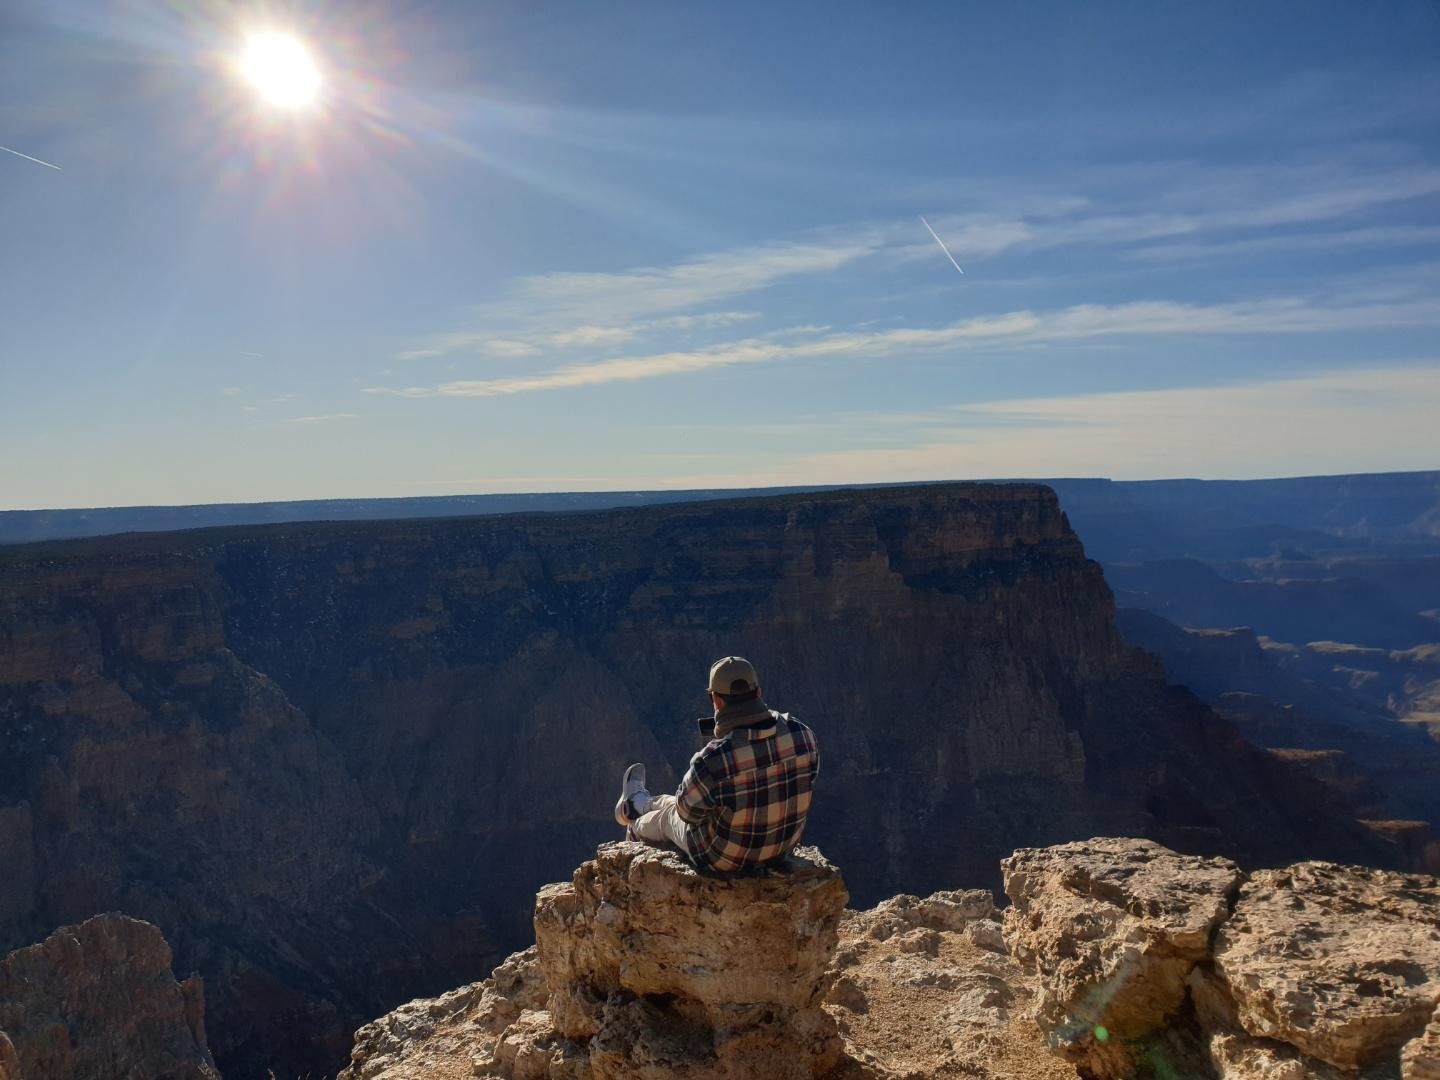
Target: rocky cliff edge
99,1000
1116,958
644,968
1153,963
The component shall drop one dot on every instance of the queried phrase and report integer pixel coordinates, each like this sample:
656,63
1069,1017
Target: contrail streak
27,157
941,243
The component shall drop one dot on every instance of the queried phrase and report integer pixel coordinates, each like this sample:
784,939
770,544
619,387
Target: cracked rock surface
1147,958
1340,962
925,988
1113,927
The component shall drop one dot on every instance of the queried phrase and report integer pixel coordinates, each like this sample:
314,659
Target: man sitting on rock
744,798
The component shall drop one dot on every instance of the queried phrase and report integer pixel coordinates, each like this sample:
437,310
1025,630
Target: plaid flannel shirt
746,794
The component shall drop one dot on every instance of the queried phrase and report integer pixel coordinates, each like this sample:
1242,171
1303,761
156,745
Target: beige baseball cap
733,675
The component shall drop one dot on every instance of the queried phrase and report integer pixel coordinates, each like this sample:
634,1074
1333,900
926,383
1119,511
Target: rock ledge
645,969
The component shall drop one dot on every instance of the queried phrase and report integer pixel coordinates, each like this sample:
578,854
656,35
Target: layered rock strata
99,1000
322,758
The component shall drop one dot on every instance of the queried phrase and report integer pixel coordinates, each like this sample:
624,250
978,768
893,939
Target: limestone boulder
99,999
663,971
644,969
1113,927
1340,962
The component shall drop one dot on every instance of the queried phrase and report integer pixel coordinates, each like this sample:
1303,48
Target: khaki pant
661,824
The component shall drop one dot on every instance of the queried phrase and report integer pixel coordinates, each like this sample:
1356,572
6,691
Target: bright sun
281,69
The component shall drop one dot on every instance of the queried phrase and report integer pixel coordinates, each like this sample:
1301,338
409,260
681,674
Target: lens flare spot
1102,1033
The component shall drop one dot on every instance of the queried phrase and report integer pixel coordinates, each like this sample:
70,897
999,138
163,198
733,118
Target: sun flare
281,68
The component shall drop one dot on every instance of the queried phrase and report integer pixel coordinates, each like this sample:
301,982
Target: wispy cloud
566,329
704,280
320,419
1197,202
1339,240
521,344
1007,330
1345,420
1349,420
538,482
538,312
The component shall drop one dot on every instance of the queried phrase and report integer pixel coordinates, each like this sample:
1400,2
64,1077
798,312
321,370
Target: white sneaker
634,799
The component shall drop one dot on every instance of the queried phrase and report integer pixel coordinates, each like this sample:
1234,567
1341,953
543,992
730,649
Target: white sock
640,801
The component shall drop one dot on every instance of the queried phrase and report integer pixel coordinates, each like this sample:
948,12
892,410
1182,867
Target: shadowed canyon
334,762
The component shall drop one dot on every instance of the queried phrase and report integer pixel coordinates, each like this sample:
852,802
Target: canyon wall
334,762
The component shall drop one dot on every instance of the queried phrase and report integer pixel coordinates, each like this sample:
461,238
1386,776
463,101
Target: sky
578,246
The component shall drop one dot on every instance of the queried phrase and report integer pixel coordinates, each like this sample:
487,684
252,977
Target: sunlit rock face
646,969
1118,958
1147,957
1420,1060
99,999
1113,928
654,969
642,968
334,762
1341,963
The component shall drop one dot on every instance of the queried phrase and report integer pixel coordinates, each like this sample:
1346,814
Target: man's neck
744,714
